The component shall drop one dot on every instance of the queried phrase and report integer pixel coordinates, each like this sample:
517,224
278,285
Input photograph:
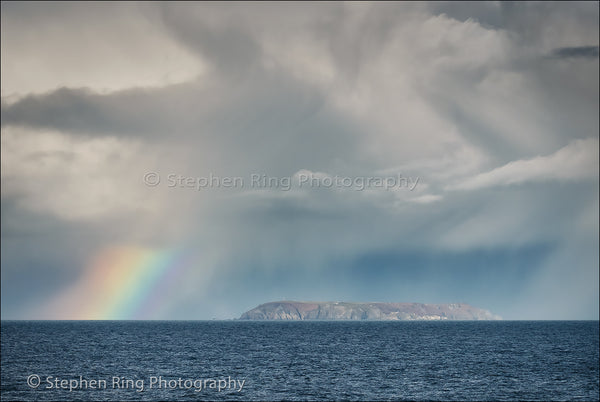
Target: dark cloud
140,112
547,24
577,52
268,120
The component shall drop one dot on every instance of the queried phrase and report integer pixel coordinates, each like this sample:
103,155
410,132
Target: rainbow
122,283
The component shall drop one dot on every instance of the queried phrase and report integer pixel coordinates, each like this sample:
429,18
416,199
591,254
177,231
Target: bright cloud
576,161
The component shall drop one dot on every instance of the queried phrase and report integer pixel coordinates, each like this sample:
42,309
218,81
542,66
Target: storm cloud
491,106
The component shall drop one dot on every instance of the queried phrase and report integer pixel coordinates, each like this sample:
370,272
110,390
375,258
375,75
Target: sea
300,361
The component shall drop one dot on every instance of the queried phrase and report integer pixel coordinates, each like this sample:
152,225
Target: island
345,311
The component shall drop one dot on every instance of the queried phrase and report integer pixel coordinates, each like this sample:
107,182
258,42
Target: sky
193,160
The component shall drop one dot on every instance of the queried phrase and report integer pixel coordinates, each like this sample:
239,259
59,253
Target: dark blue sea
237,360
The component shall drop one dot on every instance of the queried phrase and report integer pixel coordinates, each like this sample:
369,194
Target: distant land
343,311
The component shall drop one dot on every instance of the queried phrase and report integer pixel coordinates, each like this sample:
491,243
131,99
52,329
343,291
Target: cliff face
297,311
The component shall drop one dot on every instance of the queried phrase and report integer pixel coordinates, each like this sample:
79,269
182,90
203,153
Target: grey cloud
144,112
271,122
231,50
487,13
243,117
40,254
248,103
548,25
36,157
576,52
